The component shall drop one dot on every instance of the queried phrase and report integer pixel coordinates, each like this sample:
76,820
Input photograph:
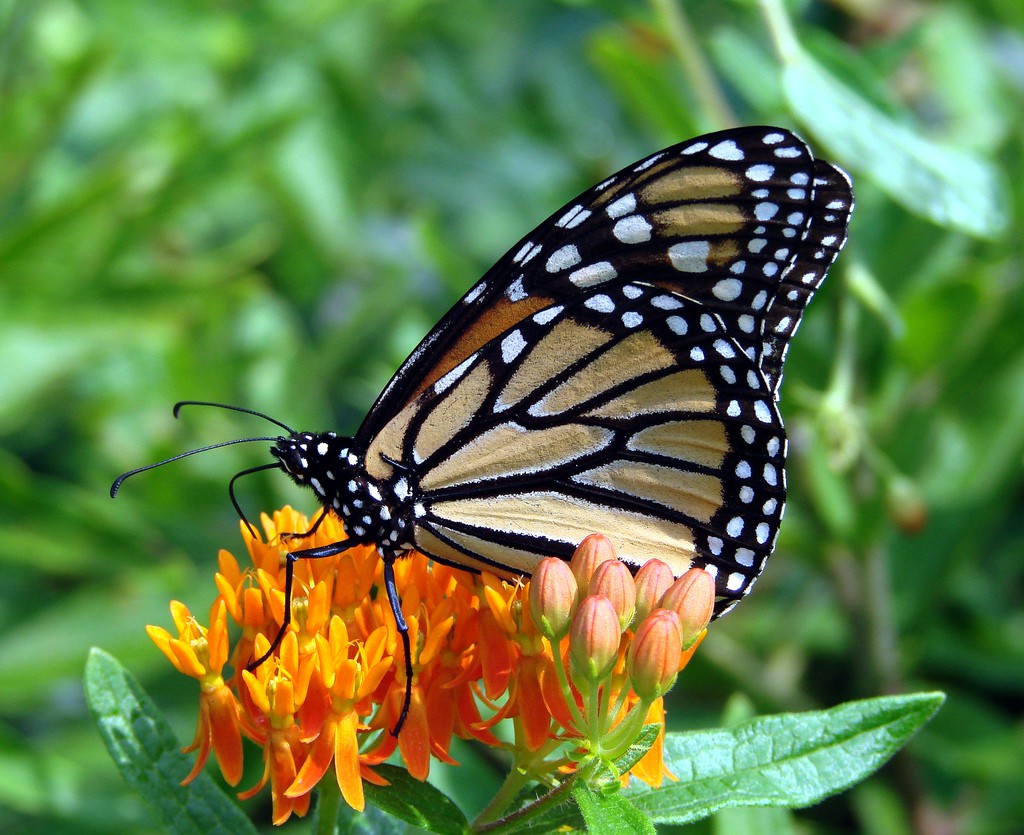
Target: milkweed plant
562,676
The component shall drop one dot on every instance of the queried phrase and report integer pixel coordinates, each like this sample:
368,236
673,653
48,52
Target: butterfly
617,370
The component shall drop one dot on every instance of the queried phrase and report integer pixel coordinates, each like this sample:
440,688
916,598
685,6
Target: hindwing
627,410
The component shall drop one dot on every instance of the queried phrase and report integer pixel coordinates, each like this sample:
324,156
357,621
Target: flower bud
613,580
592,551
651,581
906,506
552,597
692,597
594,639
654,655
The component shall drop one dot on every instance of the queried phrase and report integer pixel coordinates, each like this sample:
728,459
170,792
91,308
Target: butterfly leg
289,577
393,600
310,532
403,630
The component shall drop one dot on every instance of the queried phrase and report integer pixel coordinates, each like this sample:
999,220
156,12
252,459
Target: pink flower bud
590,553
652,581
552,597
594,639
692,597
613,580
654,655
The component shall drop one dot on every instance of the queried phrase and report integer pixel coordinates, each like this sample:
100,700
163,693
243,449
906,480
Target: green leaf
641,745
145,750
609,814
952,187
420,804
791,759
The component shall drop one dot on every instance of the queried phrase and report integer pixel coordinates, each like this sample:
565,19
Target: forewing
721,220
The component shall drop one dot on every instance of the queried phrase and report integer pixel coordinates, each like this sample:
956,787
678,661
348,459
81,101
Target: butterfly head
373,511
311,459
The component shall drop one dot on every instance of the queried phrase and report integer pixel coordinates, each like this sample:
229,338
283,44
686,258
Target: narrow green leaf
420,804
145,750
641,745
952,187
611,814
791,759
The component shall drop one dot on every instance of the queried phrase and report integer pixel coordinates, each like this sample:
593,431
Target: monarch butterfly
617,370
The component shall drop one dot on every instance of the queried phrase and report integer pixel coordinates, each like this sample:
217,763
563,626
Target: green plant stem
882,640
534,766
558,795
328,801
787,47
563,683
695,67
513,783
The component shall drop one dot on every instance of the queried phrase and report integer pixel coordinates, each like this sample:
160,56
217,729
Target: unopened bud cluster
624,634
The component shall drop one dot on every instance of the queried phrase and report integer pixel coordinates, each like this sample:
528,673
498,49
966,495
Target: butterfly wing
722,219
617,370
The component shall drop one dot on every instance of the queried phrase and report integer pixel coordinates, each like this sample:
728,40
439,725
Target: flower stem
563,683
328,800
558,795
514,781
695,66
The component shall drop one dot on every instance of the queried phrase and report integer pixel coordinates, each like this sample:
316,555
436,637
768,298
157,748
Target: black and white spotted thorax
375,512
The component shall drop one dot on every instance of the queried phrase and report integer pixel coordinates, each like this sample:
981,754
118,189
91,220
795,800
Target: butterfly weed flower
577,660
202,653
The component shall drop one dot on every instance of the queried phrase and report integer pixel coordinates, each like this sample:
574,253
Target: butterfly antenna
121,478
234,501
180,403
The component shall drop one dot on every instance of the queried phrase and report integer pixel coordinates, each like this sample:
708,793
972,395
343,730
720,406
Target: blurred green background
268,203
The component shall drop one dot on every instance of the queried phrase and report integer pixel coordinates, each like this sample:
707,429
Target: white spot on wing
516,292
728,289
593,274
666,303
562,259
601,303
690,256
475,293
623,206
452,376
760,173
573,218
542,317
632,230
676,324
726,150
512,346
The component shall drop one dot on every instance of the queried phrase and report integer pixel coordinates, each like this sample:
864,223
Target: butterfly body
374,512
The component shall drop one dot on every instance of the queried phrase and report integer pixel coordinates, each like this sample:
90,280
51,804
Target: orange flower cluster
578,660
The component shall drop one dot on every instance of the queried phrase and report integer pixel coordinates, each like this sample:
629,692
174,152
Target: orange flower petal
346,761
